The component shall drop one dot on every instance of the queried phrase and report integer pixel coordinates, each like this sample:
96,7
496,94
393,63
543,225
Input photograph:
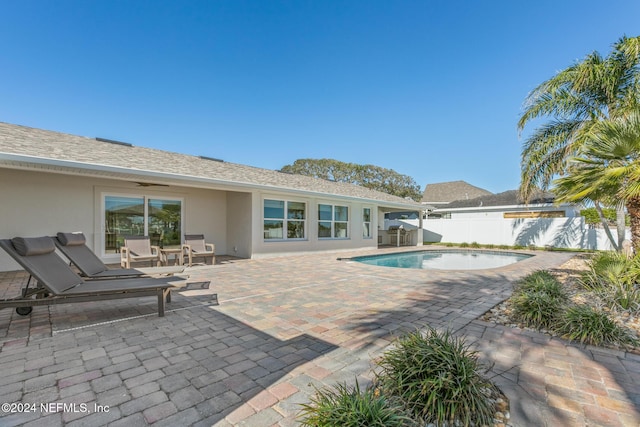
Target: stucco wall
312,243
239,224
37,204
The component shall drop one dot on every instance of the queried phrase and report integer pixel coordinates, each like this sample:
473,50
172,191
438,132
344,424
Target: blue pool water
444,260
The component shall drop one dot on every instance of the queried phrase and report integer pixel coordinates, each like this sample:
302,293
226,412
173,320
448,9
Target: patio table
176,252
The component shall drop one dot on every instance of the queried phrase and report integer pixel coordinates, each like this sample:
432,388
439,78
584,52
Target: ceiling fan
149,184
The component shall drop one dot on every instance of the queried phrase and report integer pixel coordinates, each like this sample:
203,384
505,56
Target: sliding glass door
158,218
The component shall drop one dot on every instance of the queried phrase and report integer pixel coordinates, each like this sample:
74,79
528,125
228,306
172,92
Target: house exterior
443,193
508,204
504,219
53,182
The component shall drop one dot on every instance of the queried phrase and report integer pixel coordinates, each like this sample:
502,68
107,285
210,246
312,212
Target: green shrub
609,268
475,245
538,299
614,278
438,380
490,246
542,281
592,326
591,216
464,245
349,406
625,297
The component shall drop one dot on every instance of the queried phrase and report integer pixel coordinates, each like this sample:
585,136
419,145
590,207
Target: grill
398,235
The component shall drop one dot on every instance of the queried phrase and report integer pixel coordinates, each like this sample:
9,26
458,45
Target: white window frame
364,223
333,222
145,197
285,220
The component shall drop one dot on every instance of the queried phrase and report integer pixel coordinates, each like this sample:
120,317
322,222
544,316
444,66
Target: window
280,215
160,219
366,223
333,222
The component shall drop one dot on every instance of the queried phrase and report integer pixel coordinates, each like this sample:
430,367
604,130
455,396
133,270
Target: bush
475,245
345,406
614,278
591,216
438,380
591,326
464,245
624,297
541,281
608,268
538,300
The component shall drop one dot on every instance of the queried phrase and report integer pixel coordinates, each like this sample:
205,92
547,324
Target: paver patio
283,327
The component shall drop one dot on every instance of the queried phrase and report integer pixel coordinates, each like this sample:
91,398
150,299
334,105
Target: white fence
556,232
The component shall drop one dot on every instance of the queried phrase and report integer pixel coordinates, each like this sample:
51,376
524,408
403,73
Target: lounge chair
57,283
73,247
194,246
138,248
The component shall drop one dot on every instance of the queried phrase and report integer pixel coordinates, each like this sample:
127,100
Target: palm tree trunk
633,208
605,224
621,225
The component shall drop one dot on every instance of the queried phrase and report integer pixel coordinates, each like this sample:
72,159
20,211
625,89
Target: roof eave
69,167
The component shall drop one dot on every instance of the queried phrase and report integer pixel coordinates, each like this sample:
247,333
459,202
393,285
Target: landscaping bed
571,277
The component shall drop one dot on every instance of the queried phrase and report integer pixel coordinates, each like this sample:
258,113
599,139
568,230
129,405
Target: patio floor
283,327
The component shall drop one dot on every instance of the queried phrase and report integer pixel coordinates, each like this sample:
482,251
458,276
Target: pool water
444,260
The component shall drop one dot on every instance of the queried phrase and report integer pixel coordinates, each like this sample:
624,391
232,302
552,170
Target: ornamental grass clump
346,406
438,380
614,278
593,326
608,268
538,300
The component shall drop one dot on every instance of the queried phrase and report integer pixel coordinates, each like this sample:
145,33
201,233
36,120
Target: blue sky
432,89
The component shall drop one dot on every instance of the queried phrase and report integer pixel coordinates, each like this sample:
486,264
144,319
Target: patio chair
73,247
194,246
57,283
138,248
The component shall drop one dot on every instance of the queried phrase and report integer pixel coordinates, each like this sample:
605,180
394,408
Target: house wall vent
213,159
111,141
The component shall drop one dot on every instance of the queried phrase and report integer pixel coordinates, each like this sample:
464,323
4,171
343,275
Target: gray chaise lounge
73,246
57,283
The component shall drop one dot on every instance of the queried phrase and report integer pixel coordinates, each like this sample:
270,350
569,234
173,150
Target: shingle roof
506,198
65,152
445,192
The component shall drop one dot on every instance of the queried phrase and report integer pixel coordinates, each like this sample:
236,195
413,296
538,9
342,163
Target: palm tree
573,101
608,168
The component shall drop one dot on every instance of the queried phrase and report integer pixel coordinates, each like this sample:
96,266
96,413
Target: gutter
26,162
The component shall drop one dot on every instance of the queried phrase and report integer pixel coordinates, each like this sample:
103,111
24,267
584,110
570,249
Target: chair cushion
72,239
27,246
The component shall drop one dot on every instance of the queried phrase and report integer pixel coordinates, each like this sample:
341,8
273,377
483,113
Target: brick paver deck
283,327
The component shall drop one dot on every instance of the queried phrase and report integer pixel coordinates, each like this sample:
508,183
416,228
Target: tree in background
591,216
369,176
593,90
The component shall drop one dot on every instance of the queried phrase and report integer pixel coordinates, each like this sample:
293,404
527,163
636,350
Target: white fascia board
25,161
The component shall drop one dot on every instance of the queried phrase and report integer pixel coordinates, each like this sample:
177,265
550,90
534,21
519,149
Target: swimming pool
444,260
